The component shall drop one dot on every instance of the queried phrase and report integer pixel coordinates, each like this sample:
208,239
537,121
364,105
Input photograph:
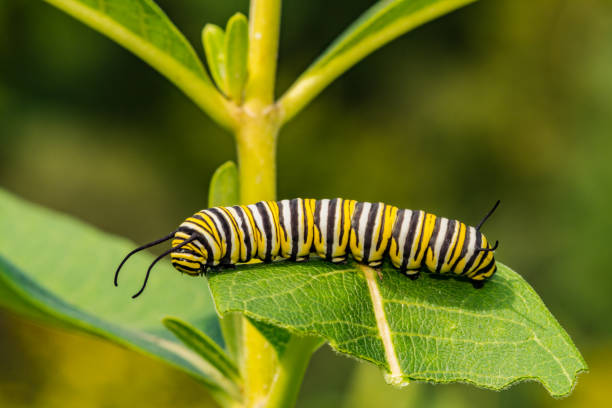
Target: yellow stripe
460,241
309,206
430,221
256,232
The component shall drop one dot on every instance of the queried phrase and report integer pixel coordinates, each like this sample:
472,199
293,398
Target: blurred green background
505,99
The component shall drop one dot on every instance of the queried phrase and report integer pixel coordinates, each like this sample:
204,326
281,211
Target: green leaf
204,346
59,270
236,51
426,330
383,22
213,39
143,28
224,186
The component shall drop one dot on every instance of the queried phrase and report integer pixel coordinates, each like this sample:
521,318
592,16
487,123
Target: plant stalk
256,148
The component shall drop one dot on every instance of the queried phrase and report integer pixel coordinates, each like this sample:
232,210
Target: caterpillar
333,229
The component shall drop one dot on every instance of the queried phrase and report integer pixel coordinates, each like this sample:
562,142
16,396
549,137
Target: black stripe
472,259
355,222
367,239
197,216
317,217
245,232
432,241
464,247
450,230
209,253
226,230
295,234
421,235
331,221
485,268
342,221
397,229
235,228
482,258
411,235
267,226
382,227
179,266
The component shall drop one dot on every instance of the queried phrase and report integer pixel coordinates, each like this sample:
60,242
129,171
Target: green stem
256,145
264,29
291,369
256,141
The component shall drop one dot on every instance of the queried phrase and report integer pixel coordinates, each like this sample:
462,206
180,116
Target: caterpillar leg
412,274
478,284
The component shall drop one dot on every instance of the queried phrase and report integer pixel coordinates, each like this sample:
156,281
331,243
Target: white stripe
362,224
285,209
440,239
417,237
336,221
403,234
377,227
300,215
245,229
323,223
472,242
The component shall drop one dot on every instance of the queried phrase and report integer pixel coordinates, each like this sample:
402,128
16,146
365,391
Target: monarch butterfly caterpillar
333,229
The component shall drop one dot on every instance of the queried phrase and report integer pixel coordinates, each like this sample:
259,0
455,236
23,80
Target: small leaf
277,337
213,39
425,330
224,186
236,51
204,346
381,23
60,271
143,28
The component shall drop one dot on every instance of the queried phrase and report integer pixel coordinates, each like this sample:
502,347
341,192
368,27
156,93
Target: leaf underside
59,270
426,330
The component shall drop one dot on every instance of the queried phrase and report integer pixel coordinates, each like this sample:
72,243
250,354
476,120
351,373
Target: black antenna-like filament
488,249
488,215
193,237
145,246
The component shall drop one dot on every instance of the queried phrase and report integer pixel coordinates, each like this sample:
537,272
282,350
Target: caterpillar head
483,266
189,257
186,252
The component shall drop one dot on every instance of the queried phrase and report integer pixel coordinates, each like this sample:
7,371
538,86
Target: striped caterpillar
293,229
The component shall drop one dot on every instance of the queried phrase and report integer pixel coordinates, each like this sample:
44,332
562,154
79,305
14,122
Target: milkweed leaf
58,270
143,28
213,39
425,330
380,24
236,50
204,346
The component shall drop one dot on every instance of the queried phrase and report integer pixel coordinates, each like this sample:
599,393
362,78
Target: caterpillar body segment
333,229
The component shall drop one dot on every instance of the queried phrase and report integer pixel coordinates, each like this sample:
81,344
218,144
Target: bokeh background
505,99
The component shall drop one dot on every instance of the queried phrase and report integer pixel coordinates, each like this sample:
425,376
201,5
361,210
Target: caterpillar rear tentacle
413,241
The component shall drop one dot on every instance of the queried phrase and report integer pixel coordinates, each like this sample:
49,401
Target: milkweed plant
250,342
